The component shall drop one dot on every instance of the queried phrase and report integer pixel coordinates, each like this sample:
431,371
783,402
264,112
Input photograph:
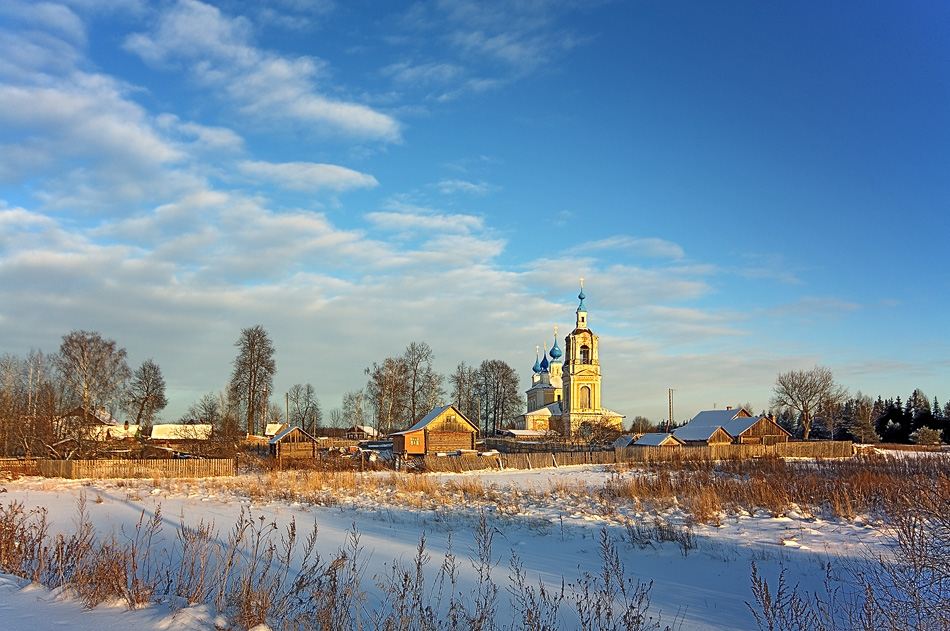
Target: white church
565,396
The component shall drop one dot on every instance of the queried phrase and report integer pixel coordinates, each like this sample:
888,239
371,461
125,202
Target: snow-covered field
555,532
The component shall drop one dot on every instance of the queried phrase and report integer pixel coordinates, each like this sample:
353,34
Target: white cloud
449,187
221,57
51,17
308,176
423,74
635,247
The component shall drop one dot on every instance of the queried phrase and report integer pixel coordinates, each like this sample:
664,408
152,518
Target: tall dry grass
260,574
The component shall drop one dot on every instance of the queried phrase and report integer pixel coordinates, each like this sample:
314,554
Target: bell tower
581,372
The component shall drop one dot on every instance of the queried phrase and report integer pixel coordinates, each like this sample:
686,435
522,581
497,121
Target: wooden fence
534,460
184,468
18,466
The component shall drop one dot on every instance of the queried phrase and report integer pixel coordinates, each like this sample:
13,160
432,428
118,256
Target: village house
722,427
445,429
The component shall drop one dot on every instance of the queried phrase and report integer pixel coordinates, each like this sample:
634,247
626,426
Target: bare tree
147,393
501,400
93,368
336,418
253,374
354,408
808,392
304,407
465,395
385,392
423,384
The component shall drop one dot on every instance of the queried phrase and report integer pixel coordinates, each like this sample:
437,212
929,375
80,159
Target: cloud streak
222,58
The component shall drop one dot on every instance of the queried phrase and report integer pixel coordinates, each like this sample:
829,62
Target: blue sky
748,188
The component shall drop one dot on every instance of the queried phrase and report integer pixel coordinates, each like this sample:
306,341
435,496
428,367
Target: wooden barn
444,429
710,427
757,431
293,442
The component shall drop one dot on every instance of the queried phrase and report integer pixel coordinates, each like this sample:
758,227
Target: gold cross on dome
582,282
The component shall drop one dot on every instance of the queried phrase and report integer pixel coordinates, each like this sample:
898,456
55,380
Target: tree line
811,404
49,399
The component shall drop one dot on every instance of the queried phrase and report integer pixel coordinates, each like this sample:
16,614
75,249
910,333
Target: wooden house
293,442
362,432
444,429
716,427
761,430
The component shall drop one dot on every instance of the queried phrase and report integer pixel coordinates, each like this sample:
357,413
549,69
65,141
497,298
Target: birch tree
253,374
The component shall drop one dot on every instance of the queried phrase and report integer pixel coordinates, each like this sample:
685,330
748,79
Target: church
565,396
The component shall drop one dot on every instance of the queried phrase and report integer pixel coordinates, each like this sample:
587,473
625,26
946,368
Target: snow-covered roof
657,439
272,429
696,432
115,432
180,431
551,409
287,430
625,441
716,418
366,429
528,433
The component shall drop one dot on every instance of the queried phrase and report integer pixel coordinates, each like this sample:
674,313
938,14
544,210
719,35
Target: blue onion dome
555,352
537,365
581,297
544,363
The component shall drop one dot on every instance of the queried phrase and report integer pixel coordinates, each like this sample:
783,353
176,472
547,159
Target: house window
414,441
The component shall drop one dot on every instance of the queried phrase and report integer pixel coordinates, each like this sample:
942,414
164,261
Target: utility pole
669,423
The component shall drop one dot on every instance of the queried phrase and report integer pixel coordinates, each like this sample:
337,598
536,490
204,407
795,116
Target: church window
585,354
585,397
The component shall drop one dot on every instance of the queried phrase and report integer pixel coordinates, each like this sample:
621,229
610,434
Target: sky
746,188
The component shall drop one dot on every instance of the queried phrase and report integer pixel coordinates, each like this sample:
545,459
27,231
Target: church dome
555,352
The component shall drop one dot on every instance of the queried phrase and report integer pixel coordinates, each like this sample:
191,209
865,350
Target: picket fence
183,468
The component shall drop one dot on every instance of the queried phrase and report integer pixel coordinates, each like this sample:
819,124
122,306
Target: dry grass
261,575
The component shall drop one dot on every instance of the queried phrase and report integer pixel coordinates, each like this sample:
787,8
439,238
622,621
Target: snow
554,532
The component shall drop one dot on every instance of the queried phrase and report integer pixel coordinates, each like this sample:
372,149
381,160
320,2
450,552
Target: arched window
585,397
585,354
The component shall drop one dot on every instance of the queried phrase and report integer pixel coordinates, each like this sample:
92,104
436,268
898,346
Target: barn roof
717,418
657,439
625,441
697,432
